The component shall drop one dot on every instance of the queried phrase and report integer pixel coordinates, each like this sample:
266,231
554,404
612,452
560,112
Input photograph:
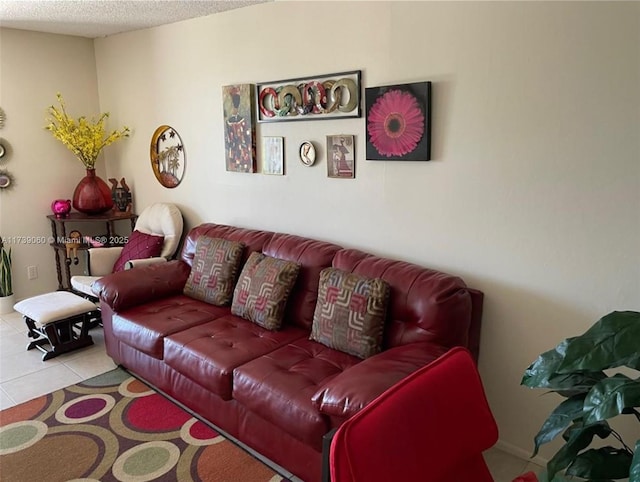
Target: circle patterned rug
115,428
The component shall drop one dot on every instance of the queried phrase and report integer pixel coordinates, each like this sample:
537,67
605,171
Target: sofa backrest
312,256
253,239
424,305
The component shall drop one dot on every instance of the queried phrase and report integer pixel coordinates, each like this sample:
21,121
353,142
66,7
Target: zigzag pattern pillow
350,312
214,270
262,290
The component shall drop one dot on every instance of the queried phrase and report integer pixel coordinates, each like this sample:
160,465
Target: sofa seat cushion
208,353
279,386
144,327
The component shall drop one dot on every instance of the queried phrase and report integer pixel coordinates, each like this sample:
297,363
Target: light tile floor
23,376
505,467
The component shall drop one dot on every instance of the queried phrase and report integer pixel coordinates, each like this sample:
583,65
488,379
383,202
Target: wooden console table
59,233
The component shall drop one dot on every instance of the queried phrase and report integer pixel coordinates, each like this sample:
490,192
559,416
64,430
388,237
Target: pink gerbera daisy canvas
398,124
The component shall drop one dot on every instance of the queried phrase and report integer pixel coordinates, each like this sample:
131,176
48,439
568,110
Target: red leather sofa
279,392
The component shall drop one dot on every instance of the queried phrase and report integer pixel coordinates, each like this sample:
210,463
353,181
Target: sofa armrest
139,263
349,392
133,287
101,260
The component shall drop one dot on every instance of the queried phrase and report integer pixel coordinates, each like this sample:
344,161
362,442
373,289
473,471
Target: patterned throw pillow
214,270
139,246
350,312
263,288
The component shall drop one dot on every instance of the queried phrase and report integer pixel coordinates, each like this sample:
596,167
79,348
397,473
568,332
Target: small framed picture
273,155
307,153
341,159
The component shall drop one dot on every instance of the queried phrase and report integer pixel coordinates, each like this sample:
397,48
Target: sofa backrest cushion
424,304
312,256
252,239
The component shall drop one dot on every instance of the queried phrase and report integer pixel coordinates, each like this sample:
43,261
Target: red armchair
431,427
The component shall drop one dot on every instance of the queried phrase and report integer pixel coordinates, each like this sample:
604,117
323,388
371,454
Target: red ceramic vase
92,195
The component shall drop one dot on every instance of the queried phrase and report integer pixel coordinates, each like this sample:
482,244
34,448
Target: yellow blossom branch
84,138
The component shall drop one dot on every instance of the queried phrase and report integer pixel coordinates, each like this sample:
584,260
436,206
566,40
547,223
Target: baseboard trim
520,453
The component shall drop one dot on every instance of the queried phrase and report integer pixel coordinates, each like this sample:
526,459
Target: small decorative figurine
121,195
61,208
72,244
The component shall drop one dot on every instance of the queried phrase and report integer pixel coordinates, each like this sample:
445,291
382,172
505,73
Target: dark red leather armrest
349,392
136,286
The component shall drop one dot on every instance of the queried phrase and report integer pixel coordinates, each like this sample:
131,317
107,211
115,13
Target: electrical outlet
32,272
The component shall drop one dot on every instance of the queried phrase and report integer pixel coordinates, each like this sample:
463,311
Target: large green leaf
610,397
560,419
545,366
571,384
578,437
611,342
634,472
602,463
543,373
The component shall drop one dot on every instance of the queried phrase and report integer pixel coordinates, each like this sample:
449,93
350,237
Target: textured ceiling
99,18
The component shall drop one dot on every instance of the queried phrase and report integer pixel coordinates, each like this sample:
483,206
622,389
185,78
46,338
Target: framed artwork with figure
341,159
239,127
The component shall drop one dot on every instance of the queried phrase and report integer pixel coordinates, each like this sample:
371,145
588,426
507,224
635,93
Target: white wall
33,68
533,195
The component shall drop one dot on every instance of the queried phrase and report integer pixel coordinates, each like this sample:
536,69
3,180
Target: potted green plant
575,370
6,286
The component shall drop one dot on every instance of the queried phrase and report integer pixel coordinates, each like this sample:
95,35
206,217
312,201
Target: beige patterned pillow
214,270
262,290
350,312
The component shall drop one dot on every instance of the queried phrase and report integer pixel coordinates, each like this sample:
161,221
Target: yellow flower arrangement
82,137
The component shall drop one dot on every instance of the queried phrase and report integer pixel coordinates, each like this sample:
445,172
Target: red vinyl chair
430,427
528,477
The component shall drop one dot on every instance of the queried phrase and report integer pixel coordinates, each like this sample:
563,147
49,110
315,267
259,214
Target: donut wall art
310,98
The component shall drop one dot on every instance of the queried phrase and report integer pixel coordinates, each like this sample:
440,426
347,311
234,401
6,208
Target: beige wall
533,195
33,68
